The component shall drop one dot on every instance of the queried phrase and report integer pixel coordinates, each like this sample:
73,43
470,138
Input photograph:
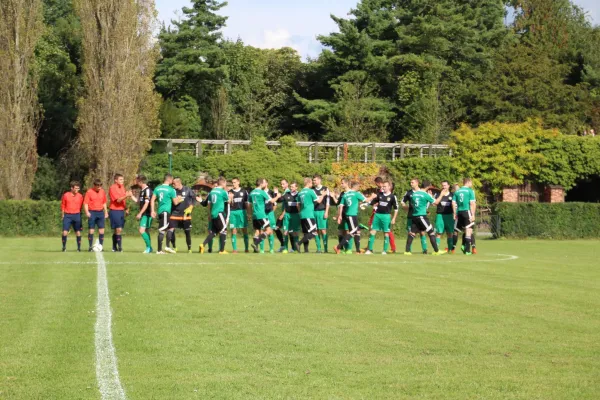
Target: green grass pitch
520,320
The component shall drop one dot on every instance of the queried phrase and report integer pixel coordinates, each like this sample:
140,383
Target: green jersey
217,198
165,195
307,198
351,202
420,200
258,198
463,198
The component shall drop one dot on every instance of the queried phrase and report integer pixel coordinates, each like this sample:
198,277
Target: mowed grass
247,326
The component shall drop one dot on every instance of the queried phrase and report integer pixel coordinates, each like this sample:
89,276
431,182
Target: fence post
373,153
337,155
402,151
366,154
316,152
310,154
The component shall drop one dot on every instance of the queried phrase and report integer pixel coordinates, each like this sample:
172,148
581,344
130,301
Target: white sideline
107,373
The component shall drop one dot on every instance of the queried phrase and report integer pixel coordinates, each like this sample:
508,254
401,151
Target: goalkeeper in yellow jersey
181,216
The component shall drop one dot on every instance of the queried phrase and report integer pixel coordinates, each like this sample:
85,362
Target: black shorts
352,222
279,224
309,225
72,220
261,224
180,222
117,218
421,224
219,224
463,221
163,221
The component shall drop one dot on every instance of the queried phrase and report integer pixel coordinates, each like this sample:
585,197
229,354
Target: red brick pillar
510,195
554,194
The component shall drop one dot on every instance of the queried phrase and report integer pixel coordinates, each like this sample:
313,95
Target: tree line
95,86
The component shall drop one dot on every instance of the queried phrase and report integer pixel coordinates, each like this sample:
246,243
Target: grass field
521,320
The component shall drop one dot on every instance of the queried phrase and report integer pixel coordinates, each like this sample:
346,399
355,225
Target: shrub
549,221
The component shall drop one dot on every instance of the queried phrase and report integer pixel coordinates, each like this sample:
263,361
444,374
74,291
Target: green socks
438,241
318,242
386,244
286,241
325,242
424,243
234,242
371,242
246,242
146,238
450,243
271,242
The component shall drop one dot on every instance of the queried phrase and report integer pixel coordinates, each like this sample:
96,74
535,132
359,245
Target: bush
434,170
549,221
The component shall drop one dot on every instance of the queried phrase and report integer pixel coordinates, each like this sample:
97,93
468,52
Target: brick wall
510,195
554,194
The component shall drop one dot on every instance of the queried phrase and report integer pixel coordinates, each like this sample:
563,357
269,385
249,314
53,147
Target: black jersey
323,204
406,200
445,206
268,205
385,203
145,197
189,198
341,201
290,202
240,199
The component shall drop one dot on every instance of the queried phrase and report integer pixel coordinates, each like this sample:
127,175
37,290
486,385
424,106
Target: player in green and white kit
307,198
219,214
145,214
166,196
262,227
349,207
464,205
420,223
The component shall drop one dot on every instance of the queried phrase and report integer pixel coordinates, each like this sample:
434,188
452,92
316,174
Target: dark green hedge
42,218
549,221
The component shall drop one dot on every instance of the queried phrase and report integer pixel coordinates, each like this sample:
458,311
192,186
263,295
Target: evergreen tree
192,58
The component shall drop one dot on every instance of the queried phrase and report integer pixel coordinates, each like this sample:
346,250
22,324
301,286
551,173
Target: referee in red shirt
71,214
94,204
118,202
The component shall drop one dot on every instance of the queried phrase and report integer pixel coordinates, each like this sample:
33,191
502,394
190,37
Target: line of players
305,211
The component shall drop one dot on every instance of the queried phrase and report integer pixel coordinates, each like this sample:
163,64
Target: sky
288,23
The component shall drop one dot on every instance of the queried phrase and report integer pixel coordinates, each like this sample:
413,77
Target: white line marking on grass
107,373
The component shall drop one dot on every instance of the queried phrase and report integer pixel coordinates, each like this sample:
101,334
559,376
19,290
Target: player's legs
78,228
163,227
351,232
67,223
426,227
234,239
412,232
187,229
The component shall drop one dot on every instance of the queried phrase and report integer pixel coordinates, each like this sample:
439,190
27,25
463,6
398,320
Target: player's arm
105,208
473,205
143,209
327,201
454,208
86,206
63,205
405,201
152,207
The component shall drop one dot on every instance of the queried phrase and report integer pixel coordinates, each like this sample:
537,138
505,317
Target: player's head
445,185
177,184
222,182
455,187
97,184
236,183
355,185
141,180
468,182
317,180
386,186
284,184
294,186
308,182
414,183
426,185
379,182
168,179
75,186
344,183
119,180
261,183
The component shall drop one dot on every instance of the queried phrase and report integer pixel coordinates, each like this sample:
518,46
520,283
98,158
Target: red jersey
115,192
71,203
95,200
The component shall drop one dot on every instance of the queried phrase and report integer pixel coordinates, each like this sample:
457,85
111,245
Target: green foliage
48,181
180,119
258,161
568,159
549,221
434,170
499,154
184,165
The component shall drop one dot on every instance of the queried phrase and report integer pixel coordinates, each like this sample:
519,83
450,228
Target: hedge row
43,218
549,221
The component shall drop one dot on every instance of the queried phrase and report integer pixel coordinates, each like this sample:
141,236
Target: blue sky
279,23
